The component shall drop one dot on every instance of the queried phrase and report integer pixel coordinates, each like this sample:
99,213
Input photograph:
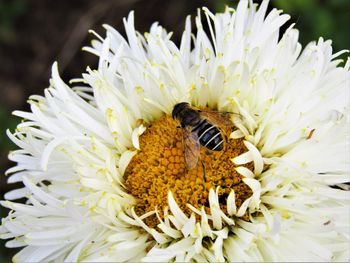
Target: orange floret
160,166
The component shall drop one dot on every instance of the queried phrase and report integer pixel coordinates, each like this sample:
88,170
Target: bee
200,127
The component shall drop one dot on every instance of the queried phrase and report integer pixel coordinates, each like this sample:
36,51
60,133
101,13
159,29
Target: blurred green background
35,33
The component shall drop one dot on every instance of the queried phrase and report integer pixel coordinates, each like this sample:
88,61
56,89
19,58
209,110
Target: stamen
159,167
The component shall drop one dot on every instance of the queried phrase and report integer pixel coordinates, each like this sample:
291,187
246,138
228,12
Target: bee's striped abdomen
209,136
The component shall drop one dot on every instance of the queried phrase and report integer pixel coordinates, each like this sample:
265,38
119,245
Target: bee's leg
203,171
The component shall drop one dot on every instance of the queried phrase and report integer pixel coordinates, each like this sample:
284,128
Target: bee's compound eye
178,108
175,111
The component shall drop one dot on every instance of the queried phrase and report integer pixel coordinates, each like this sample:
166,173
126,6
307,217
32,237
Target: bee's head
178,108
185,114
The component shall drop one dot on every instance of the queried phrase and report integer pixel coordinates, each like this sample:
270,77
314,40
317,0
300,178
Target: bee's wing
217,118
191,147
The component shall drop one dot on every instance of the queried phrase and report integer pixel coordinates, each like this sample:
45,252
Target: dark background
35,33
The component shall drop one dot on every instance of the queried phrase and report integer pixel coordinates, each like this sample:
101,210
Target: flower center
160,167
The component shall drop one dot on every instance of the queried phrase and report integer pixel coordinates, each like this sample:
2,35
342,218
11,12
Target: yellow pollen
160,167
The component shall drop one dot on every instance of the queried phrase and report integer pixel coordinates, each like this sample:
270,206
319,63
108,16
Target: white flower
76,144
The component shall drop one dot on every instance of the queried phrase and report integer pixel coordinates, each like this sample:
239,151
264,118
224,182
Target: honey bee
200,127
